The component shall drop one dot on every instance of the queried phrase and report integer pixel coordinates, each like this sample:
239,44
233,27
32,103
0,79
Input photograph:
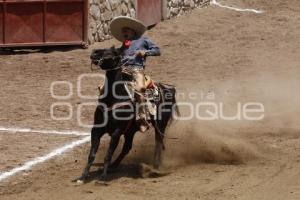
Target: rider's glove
141,53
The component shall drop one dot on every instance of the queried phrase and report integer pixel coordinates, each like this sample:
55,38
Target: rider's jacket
142,43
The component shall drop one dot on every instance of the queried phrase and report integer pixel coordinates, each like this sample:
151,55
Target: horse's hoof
147,171
113,168
101,182
79,182
103,177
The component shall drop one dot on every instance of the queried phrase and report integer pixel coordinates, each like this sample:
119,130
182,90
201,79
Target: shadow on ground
30,50
134,171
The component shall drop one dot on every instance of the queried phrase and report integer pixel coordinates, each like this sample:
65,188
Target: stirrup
144,125
143,128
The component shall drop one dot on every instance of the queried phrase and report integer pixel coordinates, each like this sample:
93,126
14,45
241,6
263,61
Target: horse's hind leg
96,135
158,149
159,140
126,148
114,141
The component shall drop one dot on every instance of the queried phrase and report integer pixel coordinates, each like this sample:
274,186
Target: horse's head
106,58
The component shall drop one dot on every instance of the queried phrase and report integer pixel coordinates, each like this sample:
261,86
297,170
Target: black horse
116,116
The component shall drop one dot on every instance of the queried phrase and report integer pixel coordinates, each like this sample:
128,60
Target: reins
100,61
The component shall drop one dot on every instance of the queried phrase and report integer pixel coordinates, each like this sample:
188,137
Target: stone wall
179,7
101,13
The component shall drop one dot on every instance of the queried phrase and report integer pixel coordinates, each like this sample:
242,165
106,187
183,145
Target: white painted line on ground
29,130
28,165
214,2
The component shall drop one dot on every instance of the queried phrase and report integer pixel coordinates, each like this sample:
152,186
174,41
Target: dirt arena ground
238,56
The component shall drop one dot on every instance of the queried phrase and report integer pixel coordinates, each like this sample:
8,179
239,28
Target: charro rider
135,49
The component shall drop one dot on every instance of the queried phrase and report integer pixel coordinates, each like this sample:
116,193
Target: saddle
149,84
151,94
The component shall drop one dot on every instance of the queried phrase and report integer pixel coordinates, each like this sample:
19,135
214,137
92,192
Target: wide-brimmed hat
118,23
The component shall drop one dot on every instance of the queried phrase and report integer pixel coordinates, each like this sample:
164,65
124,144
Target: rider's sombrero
120,22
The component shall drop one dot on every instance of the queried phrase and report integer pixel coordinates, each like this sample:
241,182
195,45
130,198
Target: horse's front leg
126,148
96,135
114,141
